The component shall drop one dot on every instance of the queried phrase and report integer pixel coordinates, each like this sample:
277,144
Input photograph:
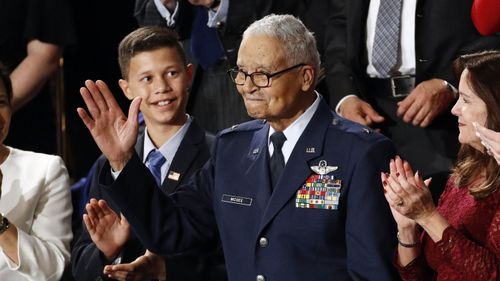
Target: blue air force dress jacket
346,232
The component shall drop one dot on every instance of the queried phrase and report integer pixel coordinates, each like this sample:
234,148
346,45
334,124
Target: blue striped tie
154,161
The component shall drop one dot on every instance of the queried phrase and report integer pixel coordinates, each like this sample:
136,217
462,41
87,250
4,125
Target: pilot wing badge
321,190
323,168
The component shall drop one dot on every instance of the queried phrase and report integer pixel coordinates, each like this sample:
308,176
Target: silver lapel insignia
323,168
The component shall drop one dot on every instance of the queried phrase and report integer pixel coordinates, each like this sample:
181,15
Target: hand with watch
4,224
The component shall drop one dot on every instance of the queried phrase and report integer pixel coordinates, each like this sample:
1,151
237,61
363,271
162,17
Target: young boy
172,146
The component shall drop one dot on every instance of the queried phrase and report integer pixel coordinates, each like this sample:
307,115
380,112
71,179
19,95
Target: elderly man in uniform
292,195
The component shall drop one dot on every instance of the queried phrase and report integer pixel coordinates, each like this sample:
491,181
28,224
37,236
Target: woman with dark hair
35,207
460,238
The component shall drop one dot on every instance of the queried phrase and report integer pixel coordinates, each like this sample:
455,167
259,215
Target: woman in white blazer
35,207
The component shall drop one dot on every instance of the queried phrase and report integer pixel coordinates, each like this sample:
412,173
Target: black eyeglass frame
251,75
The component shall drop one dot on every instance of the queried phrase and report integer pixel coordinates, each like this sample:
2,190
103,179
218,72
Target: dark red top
469,248
486,16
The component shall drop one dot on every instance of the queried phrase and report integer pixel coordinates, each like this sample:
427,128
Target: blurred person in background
389,66
211,31
33,34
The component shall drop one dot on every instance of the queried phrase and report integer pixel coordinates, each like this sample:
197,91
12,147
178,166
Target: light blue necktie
386,44
154,161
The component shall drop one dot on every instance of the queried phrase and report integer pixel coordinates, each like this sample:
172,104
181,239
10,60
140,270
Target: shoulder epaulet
351,127
247,126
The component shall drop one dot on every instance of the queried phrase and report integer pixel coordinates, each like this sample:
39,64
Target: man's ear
308,77
125,88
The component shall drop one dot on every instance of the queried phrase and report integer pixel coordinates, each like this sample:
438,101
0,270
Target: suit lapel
297,170
258,171
184,157
139,144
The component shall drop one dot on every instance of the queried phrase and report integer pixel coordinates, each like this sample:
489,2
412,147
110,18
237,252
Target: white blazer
36,199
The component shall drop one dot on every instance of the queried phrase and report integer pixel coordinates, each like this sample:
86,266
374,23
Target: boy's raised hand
113,132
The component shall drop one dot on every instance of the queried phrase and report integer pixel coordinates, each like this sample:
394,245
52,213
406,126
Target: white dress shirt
168,149
213,16
294,130
407,36
220,15
166,14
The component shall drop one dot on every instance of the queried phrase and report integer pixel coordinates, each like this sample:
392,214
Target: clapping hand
407,193
107,230
114,133
146,267
490,140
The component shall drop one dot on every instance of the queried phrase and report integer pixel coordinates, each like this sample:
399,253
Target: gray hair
299,43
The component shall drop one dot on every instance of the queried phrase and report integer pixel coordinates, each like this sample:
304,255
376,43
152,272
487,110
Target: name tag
234,199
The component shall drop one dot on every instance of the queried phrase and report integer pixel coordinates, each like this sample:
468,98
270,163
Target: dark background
100,26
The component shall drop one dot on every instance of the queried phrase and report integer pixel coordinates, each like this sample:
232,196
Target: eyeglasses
259,79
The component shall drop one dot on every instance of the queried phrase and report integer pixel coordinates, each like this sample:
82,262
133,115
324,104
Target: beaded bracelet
407,245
